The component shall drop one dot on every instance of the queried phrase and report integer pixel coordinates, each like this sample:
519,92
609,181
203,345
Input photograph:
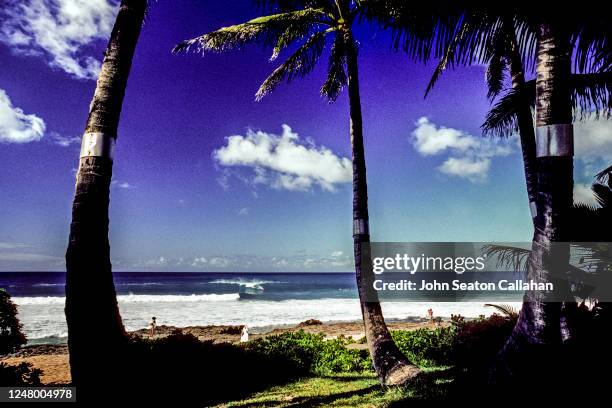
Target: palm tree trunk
536,338
525,122
95,329
390,364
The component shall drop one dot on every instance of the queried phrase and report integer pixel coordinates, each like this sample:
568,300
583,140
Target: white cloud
220,262
161,261
593,140
337,254
583,194
470,156
64,141
122,184
27,257
59,30
473,169
285,162
430,139
16,126
199,261
243,211
13,245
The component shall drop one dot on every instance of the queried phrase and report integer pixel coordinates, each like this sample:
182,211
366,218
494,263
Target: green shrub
311,353
19,375
11,336
427,347
478,341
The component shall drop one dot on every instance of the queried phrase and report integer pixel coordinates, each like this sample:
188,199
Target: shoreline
52,359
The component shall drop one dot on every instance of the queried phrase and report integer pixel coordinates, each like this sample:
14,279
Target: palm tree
315,21
499,51
490,35
95,329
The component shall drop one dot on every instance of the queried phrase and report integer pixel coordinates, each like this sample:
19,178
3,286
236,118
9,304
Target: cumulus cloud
17,126
473,169
285,162
470,157
59,30
593,140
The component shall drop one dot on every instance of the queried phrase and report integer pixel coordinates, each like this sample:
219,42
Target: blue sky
207,179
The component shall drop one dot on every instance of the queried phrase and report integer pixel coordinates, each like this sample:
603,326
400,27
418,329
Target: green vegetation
312,353
11,336
346,390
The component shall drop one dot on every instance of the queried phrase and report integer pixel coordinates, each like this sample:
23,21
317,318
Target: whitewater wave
132,298
47,284
257,284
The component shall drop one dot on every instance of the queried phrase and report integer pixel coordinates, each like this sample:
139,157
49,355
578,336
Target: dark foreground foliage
180,368
21,375
11,335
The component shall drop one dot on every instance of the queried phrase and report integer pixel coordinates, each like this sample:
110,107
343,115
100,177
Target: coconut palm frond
300,63
590,97
513,258
448,58
603,195
420,30
267,28
501,120
496,75
605,176
504,309
336,74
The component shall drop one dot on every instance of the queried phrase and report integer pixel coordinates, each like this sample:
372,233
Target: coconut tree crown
304,26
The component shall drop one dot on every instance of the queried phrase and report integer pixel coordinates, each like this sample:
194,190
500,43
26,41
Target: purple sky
185,197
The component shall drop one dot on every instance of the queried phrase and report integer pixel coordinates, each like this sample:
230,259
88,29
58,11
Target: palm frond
505,309
501,120
336,74
590,98
267,28
300,63
512,258
605,176
592,95
495,74
421,30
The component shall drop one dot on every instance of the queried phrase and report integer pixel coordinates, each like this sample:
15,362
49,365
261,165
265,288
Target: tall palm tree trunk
95,329
536,338
525,122
390,364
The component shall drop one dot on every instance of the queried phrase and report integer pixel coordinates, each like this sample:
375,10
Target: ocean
260,300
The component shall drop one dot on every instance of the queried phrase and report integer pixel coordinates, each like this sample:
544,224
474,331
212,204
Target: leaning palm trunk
537,336
390,364
95,329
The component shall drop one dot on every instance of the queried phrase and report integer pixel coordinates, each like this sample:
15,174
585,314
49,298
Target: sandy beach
53,359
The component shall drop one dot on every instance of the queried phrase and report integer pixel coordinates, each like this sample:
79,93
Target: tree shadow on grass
323,400
432,385
182,371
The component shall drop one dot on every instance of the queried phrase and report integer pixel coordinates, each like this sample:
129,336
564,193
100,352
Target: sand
53,359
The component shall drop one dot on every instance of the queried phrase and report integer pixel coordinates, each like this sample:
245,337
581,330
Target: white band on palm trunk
533,208
555,140
96,144
361,227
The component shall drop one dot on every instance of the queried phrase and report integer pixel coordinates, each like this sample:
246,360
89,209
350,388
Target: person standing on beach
244,337
152,327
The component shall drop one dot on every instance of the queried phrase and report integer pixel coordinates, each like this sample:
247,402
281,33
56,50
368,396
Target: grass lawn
348,390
